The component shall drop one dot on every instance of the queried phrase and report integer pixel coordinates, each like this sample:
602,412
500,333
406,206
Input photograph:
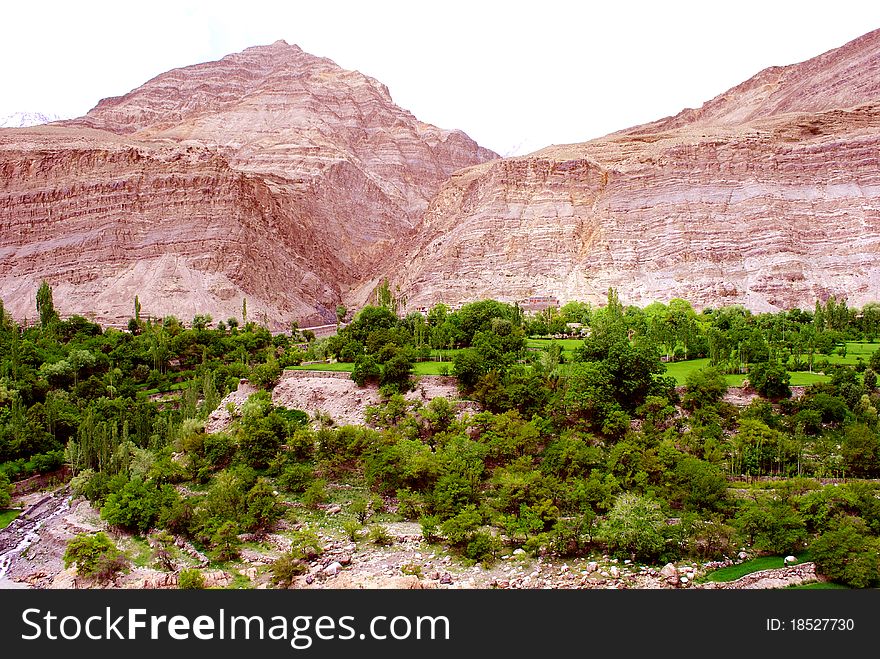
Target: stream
23,531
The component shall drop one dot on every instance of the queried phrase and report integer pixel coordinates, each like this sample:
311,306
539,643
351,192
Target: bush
634,527
296,477
94,556
847,553
137,505
5,491
306,545
409,504
285,568
379,536
352,529
483,547
190,580
225,541
429,524
770,380
315,494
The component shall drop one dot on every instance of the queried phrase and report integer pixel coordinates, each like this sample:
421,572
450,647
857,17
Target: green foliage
190,579
461,529
315,494
352,529
286,568
225,542
378,535
634,527
770,380
773,526
704,387
94,556
848,554
137,505
263,507
5,491
45,306
297,477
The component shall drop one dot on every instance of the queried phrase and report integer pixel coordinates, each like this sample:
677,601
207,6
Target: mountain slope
271,175
768,195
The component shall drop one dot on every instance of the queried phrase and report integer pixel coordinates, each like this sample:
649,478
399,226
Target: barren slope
766,196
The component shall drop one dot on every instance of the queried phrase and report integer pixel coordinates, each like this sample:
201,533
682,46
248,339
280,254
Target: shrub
633,527
225,541
285,568
5,491
296,477
352,529
379,536
94,556
315,494
190,580
305,544
484,546
409,504
429,524
848,554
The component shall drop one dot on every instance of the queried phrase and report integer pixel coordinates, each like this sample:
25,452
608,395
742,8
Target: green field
819,585
734,572
680,371
6,517
854,350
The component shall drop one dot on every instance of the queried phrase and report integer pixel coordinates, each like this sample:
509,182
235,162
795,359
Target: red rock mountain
271,175
768,195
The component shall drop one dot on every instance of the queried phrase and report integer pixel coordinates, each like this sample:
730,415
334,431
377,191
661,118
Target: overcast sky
516,76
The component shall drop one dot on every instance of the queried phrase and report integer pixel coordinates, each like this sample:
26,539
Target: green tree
770,380
46,306
225,541
5,490
704,387
94,556
848,554
136,506
634,527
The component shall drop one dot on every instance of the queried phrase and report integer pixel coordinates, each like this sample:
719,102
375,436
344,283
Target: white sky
516,76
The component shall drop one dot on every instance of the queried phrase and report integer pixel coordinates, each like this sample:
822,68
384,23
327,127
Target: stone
592,566
668,570
446,579
790,560
519,551
333,568
614,571
333,510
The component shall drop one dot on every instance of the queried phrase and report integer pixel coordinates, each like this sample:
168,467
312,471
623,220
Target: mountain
768,196
25,119
270,175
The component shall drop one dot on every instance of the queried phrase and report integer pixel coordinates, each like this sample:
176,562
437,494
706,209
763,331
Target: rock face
270,175
768,196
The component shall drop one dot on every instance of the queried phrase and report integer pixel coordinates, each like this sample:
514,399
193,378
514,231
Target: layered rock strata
271,175
767,196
